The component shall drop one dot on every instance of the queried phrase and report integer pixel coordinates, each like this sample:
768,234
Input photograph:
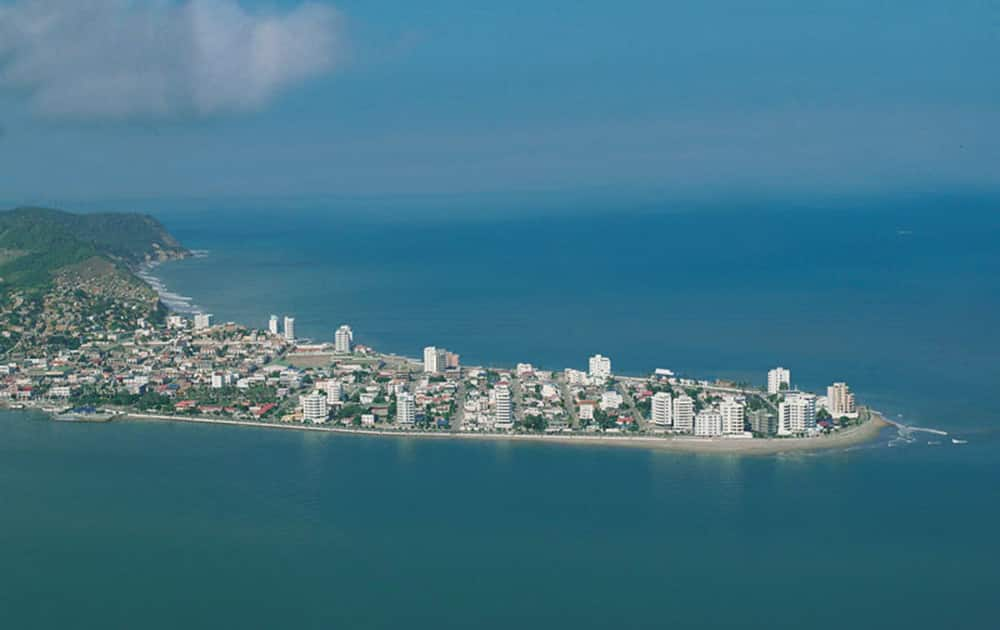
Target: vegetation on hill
35,243
67,277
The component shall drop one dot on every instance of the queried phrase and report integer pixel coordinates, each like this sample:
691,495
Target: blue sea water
164,526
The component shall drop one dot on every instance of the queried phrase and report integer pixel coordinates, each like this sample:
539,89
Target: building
218,380
797,414
661,410
840,401
683,413
315,408
575,377
732,414
708,423
763,422
289,328
343,340
435,360
599,367
334,391
505,412
451,360
176,321
406,409
611,400
778,379
272,325
202,321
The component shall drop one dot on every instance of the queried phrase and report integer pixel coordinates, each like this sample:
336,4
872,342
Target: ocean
161,526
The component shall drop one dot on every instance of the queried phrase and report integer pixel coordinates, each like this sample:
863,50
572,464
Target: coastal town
190,367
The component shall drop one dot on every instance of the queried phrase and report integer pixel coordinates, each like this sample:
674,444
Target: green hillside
37,242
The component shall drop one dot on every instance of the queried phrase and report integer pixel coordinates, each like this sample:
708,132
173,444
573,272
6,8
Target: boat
83,414
957,441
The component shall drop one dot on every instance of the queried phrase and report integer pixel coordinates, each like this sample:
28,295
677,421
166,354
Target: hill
66,278
35,243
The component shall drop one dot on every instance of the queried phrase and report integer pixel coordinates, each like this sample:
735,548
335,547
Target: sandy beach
853,436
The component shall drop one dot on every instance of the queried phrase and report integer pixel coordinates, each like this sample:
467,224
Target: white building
60,391
683,413
840,401
202,321
733,414
289,328
662,409
272,325
315,408
708,423
176,321
435,360
343,340
218,380
575,377
797,414
778,379
505,412
611,400
524,369
334,391
599,367
406,409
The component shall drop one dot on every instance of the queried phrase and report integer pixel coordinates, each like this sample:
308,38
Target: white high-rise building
840,400
435,360
778,379
708,423
272,325
218,380
202,321
505,413
661,410
683,413
334,391
599,366
732,417
797,414
289,328
315,408
343,340
406,409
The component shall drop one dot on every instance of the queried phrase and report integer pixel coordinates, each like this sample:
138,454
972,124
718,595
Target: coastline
853,436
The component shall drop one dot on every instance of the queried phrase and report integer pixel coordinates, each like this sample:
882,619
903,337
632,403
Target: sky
133,99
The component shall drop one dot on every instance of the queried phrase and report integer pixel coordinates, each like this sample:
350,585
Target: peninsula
85,336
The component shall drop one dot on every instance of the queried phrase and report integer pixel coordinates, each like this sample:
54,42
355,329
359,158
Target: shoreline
853,436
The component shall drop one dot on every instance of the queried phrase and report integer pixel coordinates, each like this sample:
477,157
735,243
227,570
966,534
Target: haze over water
163,526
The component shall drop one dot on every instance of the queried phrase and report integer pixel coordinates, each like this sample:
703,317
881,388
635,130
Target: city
191,368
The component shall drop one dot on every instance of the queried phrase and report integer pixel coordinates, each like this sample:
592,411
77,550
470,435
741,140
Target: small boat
957,441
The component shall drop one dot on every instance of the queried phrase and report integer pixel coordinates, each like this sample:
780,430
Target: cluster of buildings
196,366
439,360
288,331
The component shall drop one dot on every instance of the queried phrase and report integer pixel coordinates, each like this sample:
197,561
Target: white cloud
159,58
